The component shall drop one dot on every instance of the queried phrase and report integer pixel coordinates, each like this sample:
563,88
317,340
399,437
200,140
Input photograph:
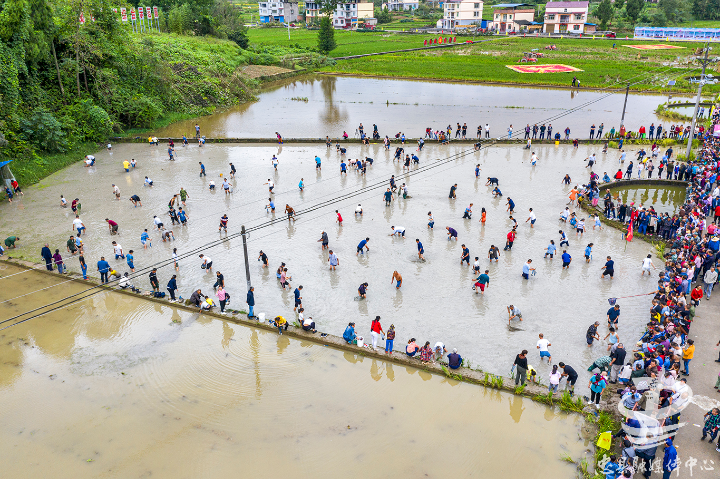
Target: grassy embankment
198,75
602,65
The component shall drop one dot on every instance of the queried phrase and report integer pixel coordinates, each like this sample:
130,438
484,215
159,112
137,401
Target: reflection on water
663,199
337,104
435,303
143,396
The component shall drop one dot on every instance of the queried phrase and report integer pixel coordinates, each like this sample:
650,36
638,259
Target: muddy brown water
435,303
115,386
337,104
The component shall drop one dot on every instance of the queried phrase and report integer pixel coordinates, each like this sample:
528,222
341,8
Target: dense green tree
326,36
383,16
706,9
674,10
659,19
604,13
633,10
619,4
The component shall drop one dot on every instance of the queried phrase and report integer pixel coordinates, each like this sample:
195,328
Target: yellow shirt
689,351
126,164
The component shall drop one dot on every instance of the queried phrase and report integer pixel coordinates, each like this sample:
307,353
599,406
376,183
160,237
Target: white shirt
555,378
77,223
116,190
358,209
175,257
157,220
301,318
226,185
399,230
63,201
212,183
534,158
647,262
543,345
207,259
148,181
118,249
532,216
90,157
565,214
440,345
307,322
270,184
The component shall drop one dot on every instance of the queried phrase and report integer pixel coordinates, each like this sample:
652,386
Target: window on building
578,16
576,27
497,16
551,17
504,16
477,5
476,14
509,17
565,10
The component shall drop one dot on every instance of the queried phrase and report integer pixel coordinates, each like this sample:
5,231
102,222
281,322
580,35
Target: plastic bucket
261,317
557,143
360,341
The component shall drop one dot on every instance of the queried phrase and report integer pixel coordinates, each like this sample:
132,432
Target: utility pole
247,264
622,120
705,63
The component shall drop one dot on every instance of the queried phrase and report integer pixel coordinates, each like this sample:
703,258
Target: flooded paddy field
313,106
115,386
435,303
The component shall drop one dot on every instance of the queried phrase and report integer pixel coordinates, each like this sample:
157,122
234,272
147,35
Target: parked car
606,34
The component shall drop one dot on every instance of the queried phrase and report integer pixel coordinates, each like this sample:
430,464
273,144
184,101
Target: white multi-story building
565,17
400,5
278,12
461,13
347,14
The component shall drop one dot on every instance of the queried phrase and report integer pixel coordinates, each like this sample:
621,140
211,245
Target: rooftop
510,5
566,5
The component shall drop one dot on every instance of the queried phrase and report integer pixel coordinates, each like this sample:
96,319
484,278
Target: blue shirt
317,160
181,215
362,244
297,294
103,266
610,265
526,268
343,166
129,258
512,204
588,250
420,247
202,167
144,236
566,257
551,249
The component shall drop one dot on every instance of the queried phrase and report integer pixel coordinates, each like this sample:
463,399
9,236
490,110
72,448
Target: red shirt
618,175
339,218
696,293
375,327
511,236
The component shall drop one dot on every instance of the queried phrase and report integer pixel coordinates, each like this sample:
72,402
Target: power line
276,220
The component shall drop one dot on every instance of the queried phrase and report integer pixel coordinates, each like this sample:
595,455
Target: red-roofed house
565,17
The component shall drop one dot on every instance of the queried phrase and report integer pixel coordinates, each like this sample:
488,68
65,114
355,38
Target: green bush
43,131
87,121
142,111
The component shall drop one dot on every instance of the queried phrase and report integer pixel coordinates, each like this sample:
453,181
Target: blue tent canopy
3,163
